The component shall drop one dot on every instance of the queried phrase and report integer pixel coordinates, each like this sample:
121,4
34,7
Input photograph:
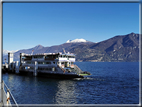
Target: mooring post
35,70
10,61
17,67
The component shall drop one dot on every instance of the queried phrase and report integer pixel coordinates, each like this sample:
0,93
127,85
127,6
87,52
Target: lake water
110,83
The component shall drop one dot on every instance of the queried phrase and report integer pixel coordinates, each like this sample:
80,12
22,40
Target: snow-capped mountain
5,52
107,50
76,40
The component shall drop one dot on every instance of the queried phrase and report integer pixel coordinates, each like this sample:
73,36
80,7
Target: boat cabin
62,60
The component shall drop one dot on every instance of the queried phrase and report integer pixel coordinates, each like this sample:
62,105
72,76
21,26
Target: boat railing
7,98
77,69
61,68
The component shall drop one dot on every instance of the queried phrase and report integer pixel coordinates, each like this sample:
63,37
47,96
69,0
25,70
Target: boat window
40,68
50,56
53,62
46,69
31,68
62,62
46,57
28,62
38,56
40,62
54,56
61,56
35,56
23,57
48,62
71,56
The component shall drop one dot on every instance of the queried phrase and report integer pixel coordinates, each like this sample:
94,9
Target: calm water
110,83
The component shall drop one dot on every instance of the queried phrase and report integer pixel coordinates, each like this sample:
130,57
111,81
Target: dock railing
7,97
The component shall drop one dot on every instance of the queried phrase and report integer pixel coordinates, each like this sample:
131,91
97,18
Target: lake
110,83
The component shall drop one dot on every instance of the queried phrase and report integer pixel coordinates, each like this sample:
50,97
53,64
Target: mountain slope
52,49
118,48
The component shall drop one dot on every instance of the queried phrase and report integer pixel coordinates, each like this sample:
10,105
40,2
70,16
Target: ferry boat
52,65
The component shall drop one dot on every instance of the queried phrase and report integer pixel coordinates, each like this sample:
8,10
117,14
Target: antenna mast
32,52
64,51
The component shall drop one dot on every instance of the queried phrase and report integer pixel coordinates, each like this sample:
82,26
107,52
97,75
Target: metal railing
61,68
6,96
77,69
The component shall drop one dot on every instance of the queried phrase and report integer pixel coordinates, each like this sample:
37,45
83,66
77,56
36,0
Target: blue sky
26,25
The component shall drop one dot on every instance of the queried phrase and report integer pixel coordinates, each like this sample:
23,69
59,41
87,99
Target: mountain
118,48
52,49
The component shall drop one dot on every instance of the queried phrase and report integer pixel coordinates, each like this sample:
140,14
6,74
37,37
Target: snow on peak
76,40
68,41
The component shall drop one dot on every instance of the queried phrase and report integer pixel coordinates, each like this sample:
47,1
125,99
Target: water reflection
66,92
